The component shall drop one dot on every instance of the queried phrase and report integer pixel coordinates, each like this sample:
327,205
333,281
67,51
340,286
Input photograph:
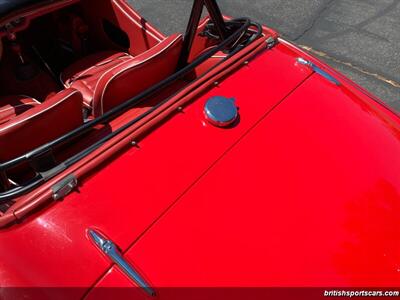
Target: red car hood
303,191
309,197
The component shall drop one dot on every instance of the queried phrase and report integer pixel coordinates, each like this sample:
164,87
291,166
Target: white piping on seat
37,101
101,77
39,112
129,67
81,74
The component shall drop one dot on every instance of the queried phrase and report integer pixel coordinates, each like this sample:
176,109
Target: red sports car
168,166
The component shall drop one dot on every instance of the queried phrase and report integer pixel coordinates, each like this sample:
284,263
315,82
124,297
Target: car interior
64,64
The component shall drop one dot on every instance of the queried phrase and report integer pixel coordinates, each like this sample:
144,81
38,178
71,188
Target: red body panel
149,179
302,191
307,198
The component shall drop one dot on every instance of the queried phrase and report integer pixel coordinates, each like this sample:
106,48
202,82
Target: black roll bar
194,20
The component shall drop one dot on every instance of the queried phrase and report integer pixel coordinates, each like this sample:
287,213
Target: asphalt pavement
360,38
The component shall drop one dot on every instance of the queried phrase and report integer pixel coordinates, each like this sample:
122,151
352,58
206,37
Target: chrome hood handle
111,251
318,70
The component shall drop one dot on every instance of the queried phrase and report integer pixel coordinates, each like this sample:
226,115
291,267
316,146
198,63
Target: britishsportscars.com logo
360,293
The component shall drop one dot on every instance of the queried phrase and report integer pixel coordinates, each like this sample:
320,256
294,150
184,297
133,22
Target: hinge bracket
64,187
271,42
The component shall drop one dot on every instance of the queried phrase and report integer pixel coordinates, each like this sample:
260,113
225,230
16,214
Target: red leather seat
12,106
40,123
114,78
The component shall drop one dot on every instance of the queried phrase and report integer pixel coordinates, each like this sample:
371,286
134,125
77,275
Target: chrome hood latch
111,251
318,70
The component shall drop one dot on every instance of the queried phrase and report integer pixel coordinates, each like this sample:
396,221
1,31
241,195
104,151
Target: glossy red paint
307,198
35,200
303,191
150,178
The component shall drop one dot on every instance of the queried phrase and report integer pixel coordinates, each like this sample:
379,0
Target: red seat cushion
84,73
12,106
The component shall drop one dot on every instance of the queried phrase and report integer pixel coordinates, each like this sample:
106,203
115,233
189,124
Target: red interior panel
141,34
41,124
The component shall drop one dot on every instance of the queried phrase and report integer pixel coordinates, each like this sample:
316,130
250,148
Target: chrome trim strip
318,70
111,250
